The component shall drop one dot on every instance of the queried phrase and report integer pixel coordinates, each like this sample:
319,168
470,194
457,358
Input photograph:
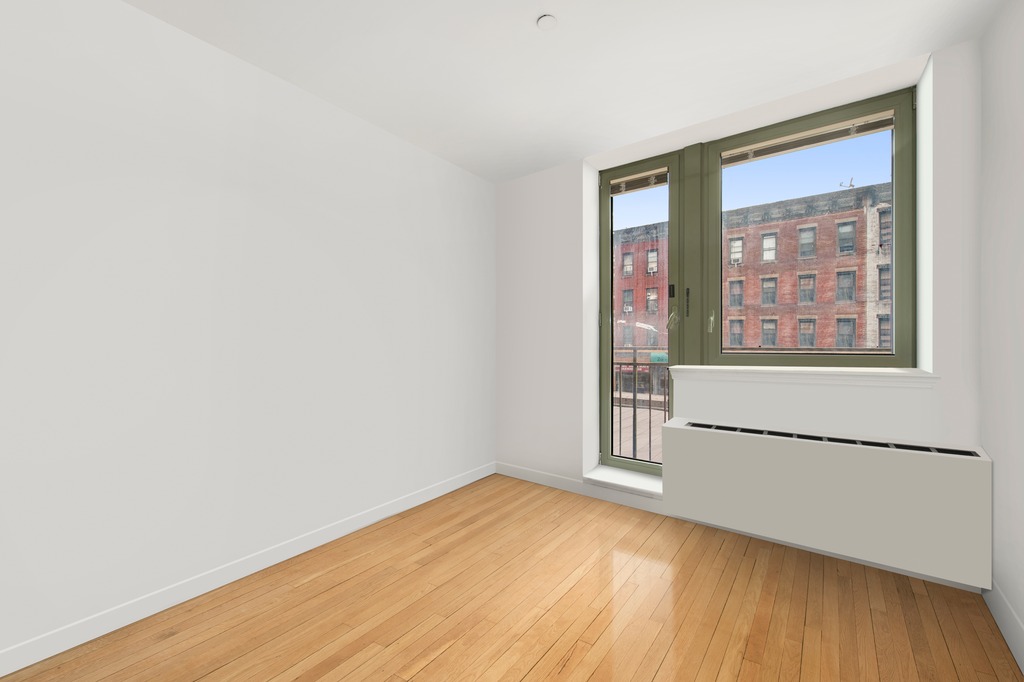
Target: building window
736,293
884,331
846,332
885,227
884,282
627,301
768,243
652,261
808,240
627,335
769,333
736,333
627,265
769,290
808,333
806,285
846,287
736,251
652,300
845,238
652,338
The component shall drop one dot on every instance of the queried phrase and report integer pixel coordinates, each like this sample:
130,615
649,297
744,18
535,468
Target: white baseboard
1008,620
582,487
38,648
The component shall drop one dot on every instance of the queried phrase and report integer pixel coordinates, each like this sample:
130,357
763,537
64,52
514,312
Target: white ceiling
476,82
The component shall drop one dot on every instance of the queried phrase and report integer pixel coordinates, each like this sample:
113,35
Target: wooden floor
509,580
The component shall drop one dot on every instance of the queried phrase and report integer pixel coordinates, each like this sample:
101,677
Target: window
736,293
652,300
710,200
807,332
627,301
769,289
884,283
736,333
846,332
845,237
885,227
808,237
736,251
846,287
806,287
884,331
627,335
652,337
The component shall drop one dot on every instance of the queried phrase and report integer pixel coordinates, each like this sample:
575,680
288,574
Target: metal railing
640,402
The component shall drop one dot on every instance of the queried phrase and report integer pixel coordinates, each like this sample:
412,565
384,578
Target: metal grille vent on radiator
830,439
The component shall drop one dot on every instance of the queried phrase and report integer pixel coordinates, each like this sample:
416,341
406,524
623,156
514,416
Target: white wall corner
1010,623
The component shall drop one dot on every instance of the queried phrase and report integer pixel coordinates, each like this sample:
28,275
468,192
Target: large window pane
820,206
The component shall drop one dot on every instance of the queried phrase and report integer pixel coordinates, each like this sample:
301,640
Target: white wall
546,364
230,315
1002,284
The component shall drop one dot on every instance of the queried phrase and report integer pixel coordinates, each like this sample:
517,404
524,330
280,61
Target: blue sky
867,159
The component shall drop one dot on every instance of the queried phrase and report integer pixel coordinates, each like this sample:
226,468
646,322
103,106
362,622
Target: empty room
457,340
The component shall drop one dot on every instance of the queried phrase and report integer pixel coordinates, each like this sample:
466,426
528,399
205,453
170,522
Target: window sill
845,376
626,481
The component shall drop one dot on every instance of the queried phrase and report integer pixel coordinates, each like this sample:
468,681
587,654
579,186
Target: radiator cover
927,513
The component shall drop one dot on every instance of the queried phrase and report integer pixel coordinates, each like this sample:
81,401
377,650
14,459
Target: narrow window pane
846,333
845,237
768,242
639,371
808,242
652,300
884,282
807,288
884,331
736,294
796,198
736,333
735,251
807,332
769,333
846,287
885,227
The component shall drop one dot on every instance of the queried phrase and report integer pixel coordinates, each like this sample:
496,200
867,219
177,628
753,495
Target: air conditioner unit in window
735,261
652,269
627,308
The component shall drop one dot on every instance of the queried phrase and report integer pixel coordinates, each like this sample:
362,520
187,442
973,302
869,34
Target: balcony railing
640,403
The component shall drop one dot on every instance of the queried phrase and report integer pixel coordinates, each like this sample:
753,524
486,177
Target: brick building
812,274
640,306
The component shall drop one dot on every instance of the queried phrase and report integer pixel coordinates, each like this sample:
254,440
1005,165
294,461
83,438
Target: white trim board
63,638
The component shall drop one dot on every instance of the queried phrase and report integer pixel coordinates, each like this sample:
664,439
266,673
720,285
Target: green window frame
695,258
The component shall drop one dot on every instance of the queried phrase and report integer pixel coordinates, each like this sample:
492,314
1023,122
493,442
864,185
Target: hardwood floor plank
508,580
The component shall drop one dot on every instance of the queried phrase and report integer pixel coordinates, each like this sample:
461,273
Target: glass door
639,313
